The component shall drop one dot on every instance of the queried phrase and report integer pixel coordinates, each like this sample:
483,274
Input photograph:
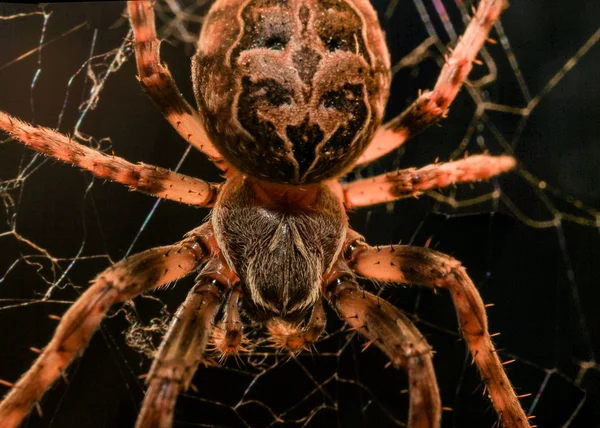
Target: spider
291,96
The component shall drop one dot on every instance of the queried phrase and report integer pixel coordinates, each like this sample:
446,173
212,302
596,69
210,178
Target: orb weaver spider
291,96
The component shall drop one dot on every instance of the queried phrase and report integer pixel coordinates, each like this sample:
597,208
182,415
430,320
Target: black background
544,291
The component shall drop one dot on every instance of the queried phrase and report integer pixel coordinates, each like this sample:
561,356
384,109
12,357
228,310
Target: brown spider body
291,96
280,241
291,91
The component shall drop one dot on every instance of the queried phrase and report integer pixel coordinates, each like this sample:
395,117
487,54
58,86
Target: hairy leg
423,266
431,106
123,281
160,86
228,335
392,332
140,177
180,353
404,183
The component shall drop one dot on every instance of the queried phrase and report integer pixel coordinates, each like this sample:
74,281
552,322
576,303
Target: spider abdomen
279,249
291,91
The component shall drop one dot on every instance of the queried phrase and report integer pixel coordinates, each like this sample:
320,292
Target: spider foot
228,341
228,338
283,335
296,338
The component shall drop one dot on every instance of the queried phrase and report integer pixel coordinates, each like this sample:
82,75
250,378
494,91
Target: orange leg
392,332
423,266
160,86
123,281
431,106
140,177
180,353
412,181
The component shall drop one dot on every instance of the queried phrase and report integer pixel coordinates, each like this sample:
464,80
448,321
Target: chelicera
291,96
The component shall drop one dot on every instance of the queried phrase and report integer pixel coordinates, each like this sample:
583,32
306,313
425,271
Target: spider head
280,241
291,91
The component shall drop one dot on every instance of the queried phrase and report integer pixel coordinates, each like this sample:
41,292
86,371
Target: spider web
529,239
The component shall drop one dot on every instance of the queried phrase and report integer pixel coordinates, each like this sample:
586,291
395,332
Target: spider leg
160,86
427,267
431,106
392,332
140,177
296,338
123,281
228,335
181,351
409,182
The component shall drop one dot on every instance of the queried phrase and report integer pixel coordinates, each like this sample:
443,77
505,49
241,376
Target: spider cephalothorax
291,95
280,242
297,87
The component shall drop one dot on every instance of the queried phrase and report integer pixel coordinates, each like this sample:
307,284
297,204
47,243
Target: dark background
542,280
